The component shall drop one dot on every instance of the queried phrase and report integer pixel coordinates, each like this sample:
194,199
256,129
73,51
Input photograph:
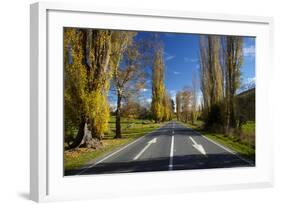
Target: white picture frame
46,159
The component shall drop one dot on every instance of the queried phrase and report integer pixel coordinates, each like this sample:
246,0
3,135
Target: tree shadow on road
185,162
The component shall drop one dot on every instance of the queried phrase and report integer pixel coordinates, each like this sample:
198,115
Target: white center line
171,154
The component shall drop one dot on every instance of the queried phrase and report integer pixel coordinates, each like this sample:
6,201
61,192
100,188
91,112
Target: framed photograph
133,102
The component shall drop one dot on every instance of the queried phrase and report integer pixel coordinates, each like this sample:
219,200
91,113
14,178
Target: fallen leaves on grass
74,153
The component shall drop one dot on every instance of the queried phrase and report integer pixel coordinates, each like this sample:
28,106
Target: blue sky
181,60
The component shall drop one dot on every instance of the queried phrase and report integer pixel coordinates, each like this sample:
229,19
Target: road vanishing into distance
171,147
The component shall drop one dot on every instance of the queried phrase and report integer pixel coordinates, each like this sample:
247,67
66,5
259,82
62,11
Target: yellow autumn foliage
86,79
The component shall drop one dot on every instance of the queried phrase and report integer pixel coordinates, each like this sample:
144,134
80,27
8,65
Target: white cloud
253,79
249,51
247,84
149,100
250,81
199,98
143,90
176,73
112,105
170,57
173,94
190,60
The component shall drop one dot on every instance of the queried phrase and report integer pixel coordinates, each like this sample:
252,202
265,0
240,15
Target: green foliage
245,106
247,133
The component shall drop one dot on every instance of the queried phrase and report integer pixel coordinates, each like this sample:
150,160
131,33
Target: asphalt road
171,147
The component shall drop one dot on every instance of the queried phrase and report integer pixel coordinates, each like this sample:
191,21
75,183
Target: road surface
171,147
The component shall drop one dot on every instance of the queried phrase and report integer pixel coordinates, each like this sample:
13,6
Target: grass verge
246,150
131,130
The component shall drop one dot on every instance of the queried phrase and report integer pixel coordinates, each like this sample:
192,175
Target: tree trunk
89,139
227,125
118,117
80,135
227,119
232,113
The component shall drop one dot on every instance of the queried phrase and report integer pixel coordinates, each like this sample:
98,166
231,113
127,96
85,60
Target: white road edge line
171,154
108,156
223,147
230,151
145,148
119,150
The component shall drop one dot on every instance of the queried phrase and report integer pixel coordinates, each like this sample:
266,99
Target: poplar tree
158,89
194,111
74,85
232,61
87,75
167,107
211,71
211,78
178,105
186,95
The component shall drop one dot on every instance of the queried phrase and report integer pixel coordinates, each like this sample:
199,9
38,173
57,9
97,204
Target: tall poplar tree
178,105
232,61
158,88
211,78
87,75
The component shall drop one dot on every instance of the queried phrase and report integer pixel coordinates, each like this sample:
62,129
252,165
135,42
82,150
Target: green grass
242,147
248,132
131,130
249,127
131,127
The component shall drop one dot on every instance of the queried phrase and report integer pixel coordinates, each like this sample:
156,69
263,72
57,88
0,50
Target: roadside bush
247,133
